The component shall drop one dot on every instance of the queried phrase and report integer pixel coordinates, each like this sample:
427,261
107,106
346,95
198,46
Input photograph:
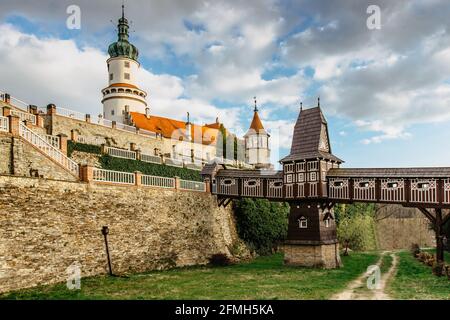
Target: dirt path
357,289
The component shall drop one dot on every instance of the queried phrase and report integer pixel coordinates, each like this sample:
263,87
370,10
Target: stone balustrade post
113,125
86,173
14,125
28,124
137,178
138,154
7,98
63,143
88,118
6,111
51,109
74,135
207,185
39,121
103,149
177,183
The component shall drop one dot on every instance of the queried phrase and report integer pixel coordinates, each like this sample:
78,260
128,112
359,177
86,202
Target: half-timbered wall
424,190
339,188
392,190
275,188
252,187
447,191
364,189
228,186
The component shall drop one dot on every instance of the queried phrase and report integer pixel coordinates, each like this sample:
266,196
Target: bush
356,226
261,224
129,165
220,260
75,146
415,250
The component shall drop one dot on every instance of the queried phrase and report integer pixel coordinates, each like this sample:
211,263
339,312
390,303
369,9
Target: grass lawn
414,280
263,278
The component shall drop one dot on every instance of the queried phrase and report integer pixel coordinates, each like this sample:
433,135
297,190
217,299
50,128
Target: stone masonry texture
47,225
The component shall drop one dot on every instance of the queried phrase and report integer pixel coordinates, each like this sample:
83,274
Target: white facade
257,149
122,93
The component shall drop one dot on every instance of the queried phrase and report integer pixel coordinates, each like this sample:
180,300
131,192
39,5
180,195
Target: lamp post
105,231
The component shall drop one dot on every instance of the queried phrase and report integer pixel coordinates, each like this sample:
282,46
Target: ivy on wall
76,146
128,165
261,223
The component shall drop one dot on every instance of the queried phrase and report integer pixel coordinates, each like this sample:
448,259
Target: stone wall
46,225
20,158
57,124
319,256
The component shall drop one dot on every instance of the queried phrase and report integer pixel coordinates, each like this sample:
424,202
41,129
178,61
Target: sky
385,92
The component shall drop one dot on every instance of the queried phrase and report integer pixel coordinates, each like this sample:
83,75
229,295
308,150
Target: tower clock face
323,144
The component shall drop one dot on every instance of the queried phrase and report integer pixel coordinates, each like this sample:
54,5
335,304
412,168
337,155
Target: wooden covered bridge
312,182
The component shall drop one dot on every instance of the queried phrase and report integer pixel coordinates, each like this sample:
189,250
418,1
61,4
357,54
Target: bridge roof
443,172
250,173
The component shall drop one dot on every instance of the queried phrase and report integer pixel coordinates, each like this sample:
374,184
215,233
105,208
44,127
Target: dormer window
364,184
423,185
392,185
302,223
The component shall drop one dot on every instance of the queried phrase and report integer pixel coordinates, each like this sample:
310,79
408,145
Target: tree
438,220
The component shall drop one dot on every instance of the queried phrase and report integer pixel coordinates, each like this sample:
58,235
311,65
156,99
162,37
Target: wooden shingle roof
306,138
443,172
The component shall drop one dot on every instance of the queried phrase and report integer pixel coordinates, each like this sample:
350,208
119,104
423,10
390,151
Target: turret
257,148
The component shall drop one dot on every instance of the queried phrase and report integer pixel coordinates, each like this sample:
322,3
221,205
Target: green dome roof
122,47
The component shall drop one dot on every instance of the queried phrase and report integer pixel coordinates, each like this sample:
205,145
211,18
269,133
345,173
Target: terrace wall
46,225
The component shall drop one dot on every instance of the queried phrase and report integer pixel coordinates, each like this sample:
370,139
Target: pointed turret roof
256,125
310,139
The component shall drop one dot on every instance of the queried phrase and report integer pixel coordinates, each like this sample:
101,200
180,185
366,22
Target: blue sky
385,93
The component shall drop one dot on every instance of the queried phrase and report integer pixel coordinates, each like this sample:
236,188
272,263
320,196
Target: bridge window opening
313,176
423,185
327,223
278,184
289,178
338,183
251,183
303,223
301,177
314,165
392,185
364,184
227,182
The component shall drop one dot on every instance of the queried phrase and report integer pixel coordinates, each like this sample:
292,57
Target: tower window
127,76
111,76
112,112
327,223
302,223
127,64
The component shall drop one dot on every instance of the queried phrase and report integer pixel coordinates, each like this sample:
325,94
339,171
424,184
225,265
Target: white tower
122,94
257,148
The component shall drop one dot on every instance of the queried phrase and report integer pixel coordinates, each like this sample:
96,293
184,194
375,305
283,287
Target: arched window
302,222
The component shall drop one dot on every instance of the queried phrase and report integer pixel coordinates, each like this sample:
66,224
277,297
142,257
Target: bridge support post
312,239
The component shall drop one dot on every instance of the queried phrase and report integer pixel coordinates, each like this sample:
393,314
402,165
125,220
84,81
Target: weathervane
256,106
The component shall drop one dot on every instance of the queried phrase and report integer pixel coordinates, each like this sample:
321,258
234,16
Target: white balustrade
121,153
192,185
125,127
173,163
4,124
52,140
24,116
48,149
155,181
101,175
147,133
94,140
70,114
150,158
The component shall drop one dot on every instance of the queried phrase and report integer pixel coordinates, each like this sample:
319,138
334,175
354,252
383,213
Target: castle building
125,103
122,94
257,148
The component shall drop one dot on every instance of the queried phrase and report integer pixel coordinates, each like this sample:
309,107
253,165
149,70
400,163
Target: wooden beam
446,218
429,215
227,203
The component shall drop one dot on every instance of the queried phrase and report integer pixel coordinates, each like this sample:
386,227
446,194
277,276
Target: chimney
7,98
147,112
217,120
188,128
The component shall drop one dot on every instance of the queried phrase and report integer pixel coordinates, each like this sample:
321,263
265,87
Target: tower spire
123,9
256,105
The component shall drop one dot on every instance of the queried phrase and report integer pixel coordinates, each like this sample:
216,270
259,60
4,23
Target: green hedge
128,165
76,146
261,223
